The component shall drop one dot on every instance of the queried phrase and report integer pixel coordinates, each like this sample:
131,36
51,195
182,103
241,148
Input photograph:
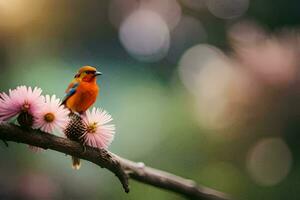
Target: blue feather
71,91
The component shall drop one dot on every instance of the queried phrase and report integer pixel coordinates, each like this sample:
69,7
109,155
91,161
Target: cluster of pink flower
33,110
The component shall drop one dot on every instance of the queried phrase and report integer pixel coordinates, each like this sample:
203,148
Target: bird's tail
75,163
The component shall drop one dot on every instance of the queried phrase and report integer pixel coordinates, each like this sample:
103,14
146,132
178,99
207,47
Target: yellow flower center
49,117
92,128
25,107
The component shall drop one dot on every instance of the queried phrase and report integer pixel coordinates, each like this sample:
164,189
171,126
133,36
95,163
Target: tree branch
122,168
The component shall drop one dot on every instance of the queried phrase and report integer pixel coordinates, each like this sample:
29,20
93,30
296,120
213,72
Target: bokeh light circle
186,34
169,10
274,61
269,161
213,101
145,36
192,62
227,9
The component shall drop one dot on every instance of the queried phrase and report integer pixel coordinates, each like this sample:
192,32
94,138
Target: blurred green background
205,89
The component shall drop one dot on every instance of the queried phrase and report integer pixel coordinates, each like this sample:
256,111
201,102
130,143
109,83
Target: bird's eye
89,72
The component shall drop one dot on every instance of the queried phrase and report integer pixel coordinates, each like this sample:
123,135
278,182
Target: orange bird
82,94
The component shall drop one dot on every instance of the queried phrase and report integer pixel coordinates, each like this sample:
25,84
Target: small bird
81,94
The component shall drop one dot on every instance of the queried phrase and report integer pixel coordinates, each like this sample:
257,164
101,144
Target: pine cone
25,119
76,128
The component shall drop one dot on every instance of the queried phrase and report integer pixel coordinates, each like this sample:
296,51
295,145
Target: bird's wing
70,91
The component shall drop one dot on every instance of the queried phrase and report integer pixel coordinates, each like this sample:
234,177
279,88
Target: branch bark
122,168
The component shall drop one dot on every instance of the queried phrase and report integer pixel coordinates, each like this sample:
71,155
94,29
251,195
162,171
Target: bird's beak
97,74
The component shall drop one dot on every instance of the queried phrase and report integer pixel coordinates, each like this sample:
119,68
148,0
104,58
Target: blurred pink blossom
272,59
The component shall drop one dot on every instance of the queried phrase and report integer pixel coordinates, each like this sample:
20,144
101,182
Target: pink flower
99,133
52,115
20,100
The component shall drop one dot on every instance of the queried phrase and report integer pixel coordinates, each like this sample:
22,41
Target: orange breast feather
84,97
